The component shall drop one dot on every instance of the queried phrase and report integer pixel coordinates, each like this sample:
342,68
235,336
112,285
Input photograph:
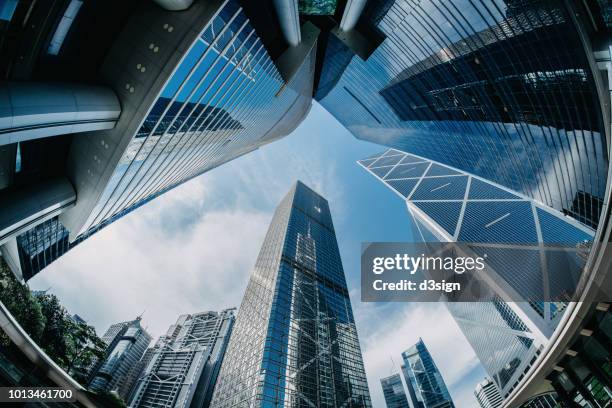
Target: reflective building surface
425,384
295,343
223,99
393,391
154,99
449,205
502,89
184,364
127,342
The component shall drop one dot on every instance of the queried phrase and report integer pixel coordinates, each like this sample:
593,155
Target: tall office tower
127,342
109,105
504,89
295,342
185,363
138,370
425,384
487,394
393,391
449,205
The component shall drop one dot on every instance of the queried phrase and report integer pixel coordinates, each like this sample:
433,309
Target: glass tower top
425,384
393,391
295,343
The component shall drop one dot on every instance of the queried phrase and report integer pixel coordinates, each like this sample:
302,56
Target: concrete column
289,20
292,59
37,110
352,12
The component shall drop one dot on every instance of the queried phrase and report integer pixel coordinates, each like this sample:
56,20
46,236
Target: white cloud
134,266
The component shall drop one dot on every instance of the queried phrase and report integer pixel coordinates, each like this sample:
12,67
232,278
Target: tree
20,302
85,348
74,346
55,337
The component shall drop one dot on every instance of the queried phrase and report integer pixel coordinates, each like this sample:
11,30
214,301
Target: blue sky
193,249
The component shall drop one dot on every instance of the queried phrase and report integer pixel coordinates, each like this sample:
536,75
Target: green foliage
18,299
73,346
85,347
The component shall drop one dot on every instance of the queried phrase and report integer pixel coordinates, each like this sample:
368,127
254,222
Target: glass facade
41,245
224,99
295,343
501,89
393,391
185,363
450,205
127,342
425,384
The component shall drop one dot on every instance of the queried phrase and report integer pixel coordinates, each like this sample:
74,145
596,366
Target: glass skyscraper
449,205
295,343
225,98
393,391
503,89
185,363
183,92
127,342
425,384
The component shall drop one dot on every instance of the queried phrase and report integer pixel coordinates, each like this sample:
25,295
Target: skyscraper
295,342
393,391
138,370
502,89
449,205
184,365
452,206
425,384
487,394
127,342
167,95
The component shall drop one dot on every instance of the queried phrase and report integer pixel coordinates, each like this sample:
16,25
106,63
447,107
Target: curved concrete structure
37,110
597,279
29,348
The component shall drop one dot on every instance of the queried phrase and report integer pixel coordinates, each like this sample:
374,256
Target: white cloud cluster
136,266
